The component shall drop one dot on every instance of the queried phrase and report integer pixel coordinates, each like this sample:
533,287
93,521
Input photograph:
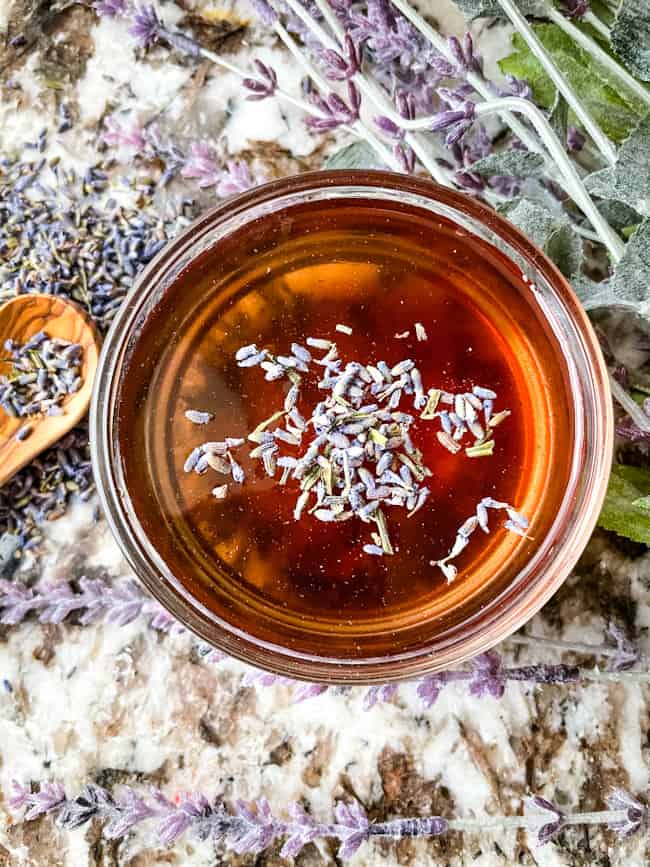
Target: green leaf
626,509
631,36
520,164
522,63
610,103
358,155
559,117
564,247
629,180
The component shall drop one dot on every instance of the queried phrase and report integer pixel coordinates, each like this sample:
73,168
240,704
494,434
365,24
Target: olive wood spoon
20,319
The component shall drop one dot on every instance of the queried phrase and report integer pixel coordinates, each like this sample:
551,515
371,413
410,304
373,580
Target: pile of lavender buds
63,233
44,371
361,458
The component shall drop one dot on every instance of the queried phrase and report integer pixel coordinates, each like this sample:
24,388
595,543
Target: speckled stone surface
127,704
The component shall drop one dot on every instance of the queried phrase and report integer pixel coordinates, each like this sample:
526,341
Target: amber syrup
379,269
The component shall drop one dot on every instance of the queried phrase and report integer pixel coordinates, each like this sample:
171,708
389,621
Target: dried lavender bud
44,371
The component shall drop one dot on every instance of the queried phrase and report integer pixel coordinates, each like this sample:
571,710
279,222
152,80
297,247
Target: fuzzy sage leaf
629,180
358,155
629,285
631,36
491,9
517,163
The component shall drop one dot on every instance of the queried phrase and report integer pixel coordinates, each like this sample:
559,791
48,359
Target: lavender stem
520,23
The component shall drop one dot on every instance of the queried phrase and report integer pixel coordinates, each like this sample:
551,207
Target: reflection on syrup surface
294,276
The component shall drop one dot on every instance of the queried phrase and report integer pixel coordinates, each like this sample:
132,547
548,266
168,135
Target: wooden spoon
20,319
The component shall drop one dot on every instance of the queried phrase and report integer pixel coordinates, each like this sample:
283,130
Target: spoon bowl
21,318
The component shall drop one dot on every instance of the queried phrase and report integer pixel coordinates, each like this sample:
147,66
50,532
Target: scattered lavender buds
357,457
44,371
99,249
58,236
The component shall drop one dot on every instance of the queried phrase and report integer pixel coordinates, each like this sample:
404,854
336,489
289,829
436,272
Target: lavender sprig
95,599
252,827
488,676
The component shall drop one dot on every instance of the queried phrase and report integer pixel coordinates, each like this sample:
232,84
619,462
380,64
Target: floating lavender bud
318,343
245,352
373,550
197,417
344,329
420,332
192,460
484,393
220,492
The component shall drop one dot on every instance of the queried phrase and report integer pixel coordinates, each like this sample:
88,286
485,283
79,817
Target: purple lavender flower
457,119
487,675
389,127
202,166
354,820
19,795
305,691
339,68
629,430
118,135
304,828
268,15
255,677
92,801
49,797
110,8
637,814
405,103
235,179
264,88
191,809
146,28
429,689
334,110
550,829
16,602
517,87
467,59
627,654
575,140
379,694
130,809
574,8
258,827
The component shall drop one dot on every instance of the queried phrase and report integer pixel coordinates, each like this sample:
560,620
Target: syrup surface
292,275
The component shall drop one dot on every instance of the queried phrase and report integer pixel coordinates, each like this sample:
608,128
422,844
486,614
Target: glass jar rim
580,506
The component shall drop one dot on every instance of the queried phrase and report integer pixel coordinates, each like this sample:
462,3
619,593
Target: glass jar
478,622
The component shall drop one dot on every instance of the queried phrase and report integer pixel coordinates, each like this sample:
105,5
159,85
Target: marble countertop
129,704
